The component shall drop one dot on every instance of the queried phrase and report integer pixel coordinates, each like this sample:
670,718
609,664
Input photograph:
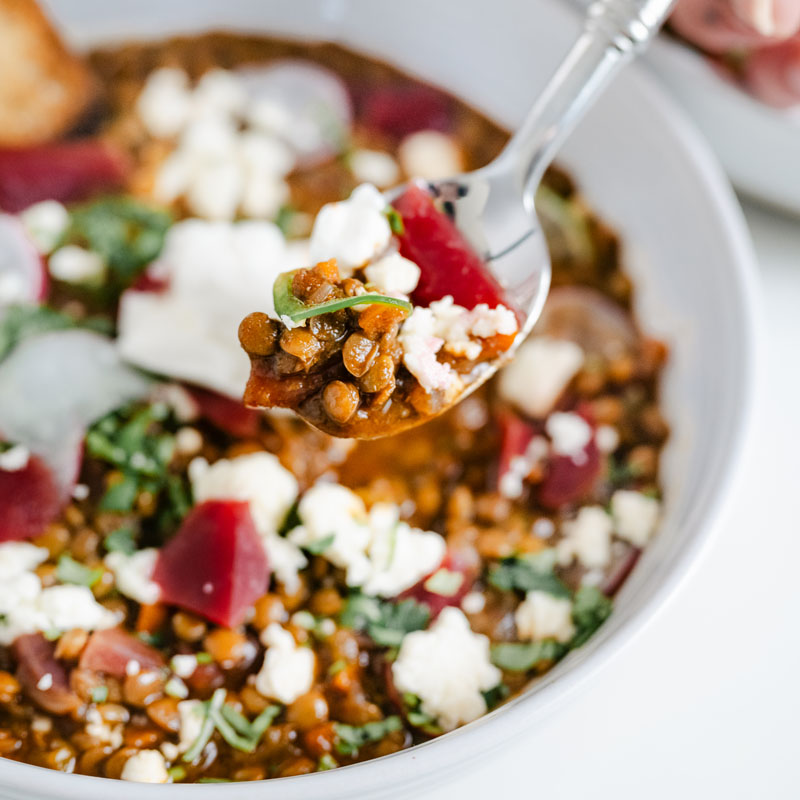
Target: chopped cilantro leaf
327,761
71,571
121,540
321,545
176,773
496,695
395,221
527,574
99,694
204,658
590,609
522,656
386,623
350,738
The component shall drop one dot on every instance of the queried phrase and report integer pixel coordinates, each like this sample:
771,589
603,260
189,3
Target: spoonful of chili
387,337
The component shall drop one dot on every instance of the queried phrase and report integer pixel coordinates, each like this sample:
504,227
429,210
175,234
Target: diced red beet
149,281
65,171
400,110
620,569
109,651
229,415
35,660
449,265
215,565
29,499
464,562
515,436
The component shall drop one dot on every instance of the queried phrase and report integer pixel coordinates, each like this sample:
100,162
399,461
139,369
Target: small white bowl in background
758,145
648,173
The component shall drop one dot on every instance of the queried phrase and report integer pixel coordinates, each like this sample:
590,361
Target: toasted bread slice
43,87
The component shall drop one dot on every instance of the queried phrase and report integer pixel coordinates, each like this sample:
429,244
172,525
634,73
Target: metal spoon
494,206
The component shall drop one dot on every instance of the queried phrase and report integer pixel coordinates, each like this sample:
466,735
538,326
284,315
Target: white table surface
705,702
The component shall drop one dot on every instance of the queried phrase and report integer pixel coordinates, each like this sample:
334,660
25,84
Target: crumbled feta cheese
219,92
635,516
606,438
45,223
511,482
542,616
191,714
215,191
132,668
393,274
170,751
328,509
19,557
217,273
400,555
183,665
587,538
133,574
188,441
257,478
263,196
146,766
430,155
448,668
68,607
544,528
539,373
288,670
165,103
353,231
101,731
45,682
80,491
74,264
15,458
473,602
569,434
375,167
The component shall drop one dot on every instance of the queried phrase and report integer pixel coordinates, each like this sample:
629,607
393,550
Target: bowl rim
373,776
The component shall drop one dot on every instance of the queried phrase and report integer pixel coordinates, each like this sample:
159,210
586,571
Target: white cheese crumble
392,274
45,682
570,434
539,374
74,264
511,482
543,616
380,553
587,538
164,104
133,574
606,438
102,731
25,607
183,665
473,602
430,155
216,273
45,224
15,458
191,714
353,231
448,668
288,670
188,441
635,516
260,480
146,766
374,166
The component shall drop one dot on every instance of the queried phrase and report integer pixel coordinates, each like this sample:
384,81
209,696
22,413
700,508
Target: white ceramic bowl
758,145
648,173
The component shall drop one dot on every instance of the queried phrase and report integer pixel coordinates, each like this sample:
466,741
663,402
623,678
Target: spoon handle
614,31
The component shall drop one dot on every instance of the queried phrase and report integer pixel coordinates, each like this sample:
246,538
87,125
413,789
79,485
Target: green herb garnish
350,738
207,727
590,609
126,233
320,545
527,574
71,571
522,656
444,582
176,773
395,221
204,658
327,761
386,623
289,307
496,695
121,540
99,694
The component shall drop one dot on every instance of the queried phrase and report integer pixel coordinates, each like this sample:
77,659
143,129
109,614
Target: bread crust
43,87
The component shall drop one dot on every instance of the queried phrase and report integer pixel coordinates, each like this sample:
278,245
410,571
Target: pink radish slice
588,318
53,386
111,650
36,660
23,278
319,110
772,74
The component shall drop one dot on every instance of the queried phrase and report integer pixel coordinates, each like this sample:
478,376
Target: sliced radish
65,171
53,386
35,661
448,583
23,278
29,499
215,564
229,415
449,265
309,106
773,74
588,318
111,650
